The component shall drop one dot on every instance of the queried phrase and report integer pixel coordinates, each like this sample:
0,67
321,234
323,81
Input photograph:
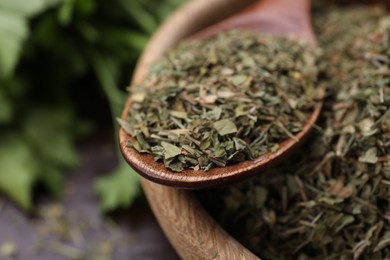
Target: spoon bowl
276,17
145,165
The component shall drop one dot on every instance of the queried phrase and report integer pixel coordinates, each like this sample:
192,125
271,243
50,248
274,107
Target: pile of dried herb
229,98
331,200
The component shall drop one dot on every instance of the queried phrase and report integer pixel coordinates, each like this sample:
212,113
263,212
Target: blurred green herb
50,50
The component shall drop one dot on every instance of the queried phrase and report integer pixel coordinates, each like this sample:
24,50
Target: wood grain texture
192,232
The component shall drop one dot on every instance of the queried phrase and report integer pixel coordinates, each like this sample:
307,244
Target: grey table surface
74,228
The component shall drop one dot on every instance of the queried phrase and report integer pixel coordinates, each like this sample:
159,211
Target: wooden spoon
277,17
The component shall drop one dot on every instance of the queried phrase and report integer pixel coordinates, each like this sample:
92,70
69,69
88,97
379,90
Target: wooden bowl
189,228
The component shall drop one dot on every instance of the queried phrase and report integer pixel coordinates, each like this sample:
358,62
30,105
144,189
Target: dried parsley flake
229,98
331,200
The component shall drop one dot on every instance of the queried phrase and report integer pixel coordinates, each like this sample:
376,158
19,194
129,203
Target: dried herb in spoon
229,98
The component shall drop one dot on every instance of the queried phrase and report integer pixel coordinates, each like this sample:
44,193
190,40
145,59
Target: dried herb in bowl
229,98
331,200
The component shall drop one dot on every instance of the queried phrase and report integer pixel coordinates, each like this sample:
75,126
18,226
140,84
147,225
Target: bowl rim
190,229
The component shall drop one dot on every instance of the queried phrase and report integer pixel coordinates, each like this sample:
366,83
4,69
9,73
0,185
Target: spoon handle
299,8
281,17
